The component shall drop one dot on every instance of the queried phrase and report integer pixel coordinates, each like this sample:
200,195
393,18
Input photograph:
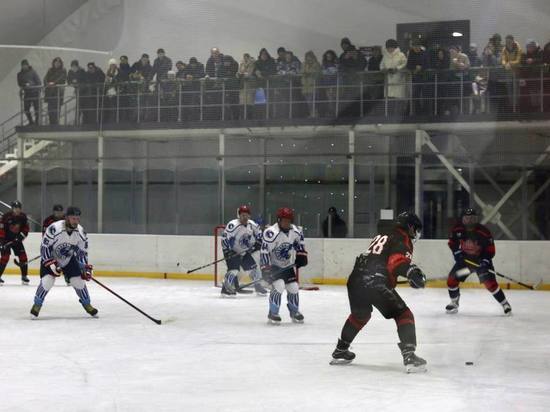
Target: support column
70,175
471,182
43,190
20,168
418,183
351,183
524,200
100,184
261,206
372,198
221,179
145,188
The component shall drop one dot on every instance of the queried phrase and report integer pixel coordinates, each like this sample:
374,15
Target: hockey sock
453,286
24,268
352,327
256,273
81,290
230,278
44,287
274,301
293,302
2,268
498,294
406,328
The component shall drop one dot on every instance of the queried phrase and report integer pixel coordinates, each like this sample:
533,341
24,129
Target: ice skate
342,355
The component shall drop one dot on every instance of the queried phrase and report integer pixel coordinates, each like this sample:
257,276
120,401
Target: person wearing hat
64,251
54,217
162,65
14,229
29,84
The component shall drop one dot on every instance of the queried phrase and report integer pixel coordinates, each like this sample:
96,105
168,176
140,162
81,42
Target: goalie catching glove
417,279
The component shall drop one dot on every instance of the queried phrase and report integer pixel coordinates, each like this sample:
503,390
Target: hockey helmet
410,222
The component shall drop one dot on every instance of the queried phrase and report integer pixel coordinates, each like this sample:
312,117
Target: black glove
2,248
484,267
20,237
257,246
301,259
459,258
417,279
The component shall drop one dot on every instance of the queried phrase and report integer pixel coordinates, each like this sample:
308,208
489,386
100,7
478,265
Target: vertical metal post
221,178
472,183
267,99
290,99
20,168
100,183
223,99
524,204
372,198
138,103
179,101
351,183
337,104
159,87
419,142
97,99
245,99
462,93
435,99
329,226
70,174
201,101
319,230
77,111
117,104
314,103
541,89
262,177
176,199
514,92
386,86
361,97
145,188
43,189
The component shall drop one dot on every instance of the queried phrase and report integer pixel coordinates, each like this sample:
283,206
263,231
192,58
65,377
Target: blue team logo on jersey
244,242
64,250
282,252
269,234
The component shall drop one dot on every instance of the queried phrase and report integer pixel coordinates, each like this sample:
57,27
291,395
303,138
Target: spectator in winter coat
124,88
142,70
328,83
265,65
492,53
76,75
29,83
162,65
352,61
461,86
529,76
110,92
511,55
56,76
214,63
337,225
92,93
440,64
417,63
546,54
473,56
194,69
310,75
124,70
289,65
375,59
245,73
180,70
393,64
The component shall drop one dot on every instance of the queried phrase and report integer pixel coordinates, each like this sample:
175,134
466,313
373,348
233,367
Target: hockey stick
261,279
157,321
210,264
525,285
27,262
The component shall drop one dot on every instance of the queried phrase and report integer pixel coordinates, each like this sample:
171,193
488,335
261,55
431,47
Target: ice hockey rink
220,354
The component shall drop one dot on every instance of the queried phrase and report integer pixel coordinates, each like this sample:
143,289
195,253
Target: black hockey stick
27,262
157,321
211,263
525,285
261,279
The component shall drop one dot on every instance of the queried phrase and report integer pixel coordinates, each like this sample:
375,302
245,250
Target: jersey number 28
377,245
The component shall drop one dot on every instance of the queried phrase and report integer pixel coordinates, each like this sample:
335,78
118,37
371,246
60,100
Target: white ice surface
219,354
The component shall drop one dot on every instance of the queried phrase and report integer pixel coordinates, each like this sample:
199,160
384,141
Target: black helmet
16,204
73,211
410,222
469,212
57,208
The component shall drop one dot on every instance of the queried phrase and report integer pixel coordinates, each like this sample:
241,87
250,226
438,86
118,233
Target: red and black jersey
11,225
389,255
476,243
48,221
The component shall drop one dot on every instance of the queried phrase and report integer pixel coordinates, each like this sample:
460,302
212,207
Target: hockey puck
469,363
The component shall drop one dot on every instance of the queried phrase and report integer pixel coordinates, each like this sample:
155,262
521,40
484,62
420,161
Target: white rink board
214,354
527,261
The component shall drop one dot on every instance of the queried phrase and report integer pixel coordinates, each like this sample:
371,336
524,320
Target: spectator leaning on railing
492,53
92,93
417,63
328,83
111,91
245,74
162,65
511,55
180,70
214,63
530,73
56,76
459,76
29,82
311,71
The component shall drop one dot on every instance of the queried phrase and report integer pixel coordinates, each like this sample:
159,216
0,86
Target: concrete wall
329,259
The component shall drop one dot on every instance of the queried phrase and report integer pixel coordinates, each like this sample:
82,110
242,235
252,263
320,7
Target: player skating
472,241
64,251
57,214
372,283
240,239
278,261
14,229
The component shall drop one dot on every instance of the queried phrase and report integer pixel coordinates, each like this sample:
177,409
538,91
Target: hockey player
64,251
372,283
240,239
14,229
278,261
470,240
54,217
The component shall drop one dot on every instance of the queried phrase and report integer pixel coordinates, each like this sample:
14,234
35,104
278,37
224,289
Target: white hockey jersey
58,244
239,238
278,247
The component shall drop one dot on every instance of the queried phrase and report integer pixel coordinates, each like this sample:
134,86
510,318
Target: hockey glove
52,265
484,267
2,247
87,272
417,279
20,237
459,258
301,259
257,246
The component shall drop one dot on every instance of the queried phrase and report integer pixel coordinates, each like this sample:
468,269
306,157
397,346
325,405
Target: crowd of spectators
354,83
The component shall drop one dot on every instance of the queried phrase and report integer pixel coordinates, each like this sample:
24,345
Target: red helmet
243,209
285,213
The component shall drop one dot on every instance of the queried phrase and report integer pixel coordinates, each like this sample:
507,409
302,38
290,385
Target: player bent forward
240,239
372,283
64,251
278,261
